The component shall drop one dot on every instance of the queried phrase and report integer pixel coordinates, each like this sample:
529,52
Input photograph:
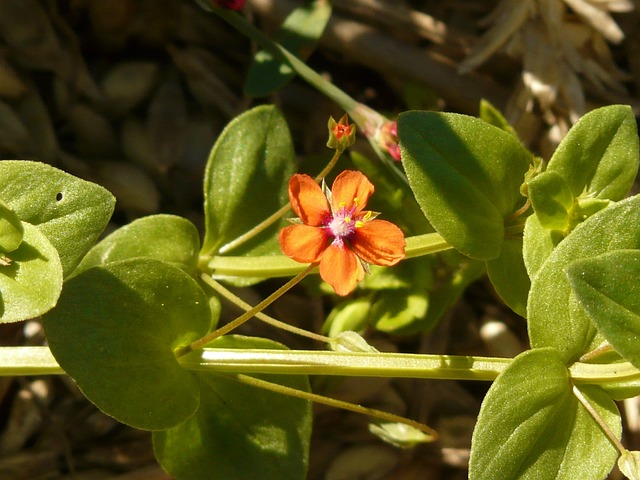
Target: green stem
368,120
246,316
282,266
277,215
222,291
332,402
40,361
598,419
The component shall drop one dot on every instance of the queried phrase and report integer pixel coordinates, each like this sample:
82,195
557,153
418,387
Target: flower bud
342,134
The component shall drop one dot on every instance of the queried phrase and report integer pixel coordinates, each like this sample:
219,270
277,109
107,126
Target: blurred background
132,94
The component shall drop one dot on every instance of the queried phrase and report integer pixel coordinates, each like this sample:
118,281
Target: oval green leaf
71,212
531,426
599,156
551,199
169,238
466,176
246,181
11,229
509,277
30,277
607,288
240,431
299,34
115,330
556,318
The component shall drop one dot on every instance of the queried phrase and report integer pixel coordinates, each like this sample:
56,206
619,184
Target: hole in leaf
59,196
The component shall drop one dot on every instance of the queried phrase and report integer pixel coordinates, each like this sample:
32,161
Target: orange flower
337,233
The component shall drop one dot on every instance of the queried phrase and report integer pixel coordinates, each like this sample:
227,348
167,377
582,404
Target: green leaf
551,199
11,229
247,179
299,34
71,212
599,156
350,315
466,175
607,288
240,431
168,238
537,244
509,277
398,311
556,317
531,426
493,116
30,277
629,464
115,330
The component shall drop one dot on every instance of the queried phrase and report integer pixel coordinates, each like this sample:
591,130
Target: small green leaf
466,176
509,277
11,229
30,277
350,315
607,288
247,179
537,244
240,431
115,330
168,238
552,200
71,212
599,156
299,34
556,317
629,464
398,311
493,116
531,426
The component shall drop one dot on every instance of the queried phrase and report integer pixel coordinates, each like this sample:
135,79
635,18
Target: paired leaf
240,431
115,330
607,288
509,277
531,426
556,317
246,180
168,238
299,34
599,156
466,175
552,200
71,212
30,277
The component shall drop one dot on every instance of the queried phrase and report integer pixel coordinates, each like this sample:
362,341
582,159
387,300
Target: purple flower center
342,224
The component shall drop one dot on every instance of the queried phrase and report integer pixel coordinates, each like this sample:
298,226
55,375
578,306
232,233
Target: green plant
132,318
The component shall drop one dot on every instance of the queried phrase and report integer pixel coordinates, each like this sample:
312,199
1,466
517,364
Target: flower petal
303,243
307,200
341,269
379,242
347,187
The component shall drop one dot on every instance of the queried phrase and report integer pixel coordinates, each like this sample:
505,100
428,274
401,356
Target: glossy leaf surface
30,277
240,431
556,317
71,212
114,331
599,156
465,174
608,289
169,238
246,180
531,426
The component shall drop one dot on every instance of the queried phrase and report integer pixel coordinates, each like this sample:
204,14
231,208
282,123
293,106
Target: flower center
343,223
